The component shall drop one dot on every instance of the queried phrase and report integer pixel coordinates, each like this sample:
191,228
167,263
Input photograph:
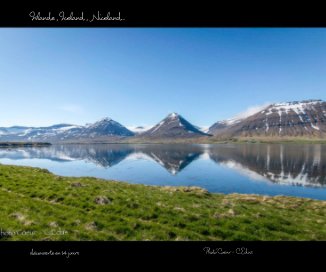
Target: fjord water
265,169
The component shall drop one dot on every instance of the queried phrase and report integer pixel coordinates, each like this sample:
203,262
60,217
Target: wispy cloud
251,110
72,108
140,128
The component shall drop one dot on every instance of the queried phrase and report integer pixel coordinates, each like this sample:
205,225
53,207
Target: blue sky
138,75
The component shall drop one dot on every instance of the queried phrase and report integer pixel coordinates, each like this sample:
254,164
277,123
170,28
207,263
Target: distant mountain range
293,119
66,132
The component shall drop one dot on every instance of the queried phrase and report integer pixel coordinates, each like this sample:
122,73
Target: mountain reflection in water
303,165
291,164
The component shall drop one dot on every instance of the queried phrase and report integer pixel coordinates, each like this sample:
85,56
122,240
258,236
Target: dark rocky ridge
173,126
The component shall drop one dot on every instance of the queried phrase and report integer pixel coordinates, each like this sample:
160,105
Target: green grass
37,205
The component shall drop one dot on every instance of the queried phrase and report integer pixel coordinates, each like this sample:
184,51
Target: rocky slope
304,118
173,126
65,132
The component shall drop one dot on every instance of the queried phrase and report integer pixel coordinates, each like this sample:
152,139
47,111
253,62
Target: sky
137,76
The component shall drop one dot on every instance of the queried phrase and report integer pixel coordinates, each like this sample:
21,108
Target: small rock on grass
102,200
76,184
91,226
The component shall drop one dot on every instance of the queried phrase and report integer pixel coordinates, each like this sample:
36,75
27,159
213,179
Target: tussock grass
37,205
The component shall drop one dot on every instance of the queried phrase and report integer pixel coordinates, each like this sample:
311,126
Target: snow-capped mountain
20,133
61,132
304,118
174,125
105,127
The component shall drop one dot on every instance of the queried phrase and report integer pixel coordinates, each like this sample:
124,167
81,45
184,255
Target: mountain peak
107,127
174,125
100,122
105,119
173,115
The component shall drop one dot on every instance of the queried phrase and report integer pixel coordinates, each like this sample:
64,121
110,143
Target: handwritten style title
71,16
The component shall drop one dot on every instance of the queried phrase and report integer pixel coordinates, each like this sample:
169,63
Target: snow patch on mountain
157,126
285,107
314,127
173,115
67,128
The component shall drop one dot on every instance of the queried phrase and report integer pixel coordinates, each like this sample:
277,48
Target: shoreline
240,140
176,188
33,199
24,144
203,140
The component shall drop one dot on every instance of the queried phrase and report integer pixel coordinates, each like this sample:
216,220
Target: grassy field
37,205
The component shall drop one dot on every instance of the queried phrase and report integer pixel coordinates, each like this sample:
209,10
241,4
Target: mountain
13,130
304,118
65,132
20,133
174,125
104,127
101,129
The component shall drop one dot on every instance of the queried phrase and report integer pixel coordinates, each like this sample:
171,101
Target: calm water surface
266,169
